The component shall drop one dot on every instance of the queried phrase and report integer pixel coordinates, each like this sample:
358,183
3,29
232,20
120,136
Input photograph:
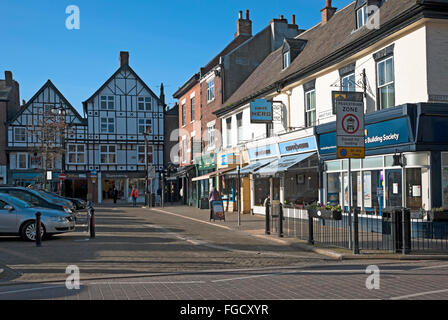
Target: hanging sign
350,135
261,111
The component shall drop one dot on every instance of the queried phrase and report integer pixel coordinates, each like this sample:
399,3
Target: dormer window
361,16
286,59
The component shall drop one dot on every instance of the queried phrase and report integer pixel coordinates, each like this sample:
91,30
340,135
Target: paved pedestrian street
175,253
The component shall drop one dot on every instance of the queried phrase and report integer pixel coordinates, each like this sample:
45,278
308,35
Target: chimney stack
162,94
23,102
124,58
8,78
243,26
327,12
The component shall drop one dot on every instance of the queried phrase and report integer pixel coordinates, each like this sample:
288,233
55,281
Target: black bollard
92,223
280,221
310,228
38,228
268,227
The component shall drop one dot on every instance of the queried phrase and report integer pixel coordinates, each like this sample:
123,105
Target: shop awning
183,171
212,174
251,168
283,164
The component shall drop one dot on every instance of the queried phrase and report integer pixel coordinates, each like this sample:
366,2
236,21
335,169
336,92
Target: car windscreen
42,195
16,202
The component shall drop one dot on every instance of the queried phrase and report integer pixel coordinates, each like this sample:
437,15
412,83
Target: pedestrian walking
134,196
213,196
115,194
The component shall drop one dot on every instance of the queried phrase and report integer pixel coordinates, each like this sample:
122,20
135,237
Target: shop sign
229,159
261,111
382,134
298,146
263,152
349,108
206,161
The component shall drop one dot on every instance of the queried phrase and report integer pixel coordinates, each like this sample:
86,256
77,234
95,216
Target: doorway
394,188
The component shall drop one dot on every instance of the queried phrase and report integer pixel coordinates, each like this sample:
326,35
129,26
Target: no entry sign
350,124
62,176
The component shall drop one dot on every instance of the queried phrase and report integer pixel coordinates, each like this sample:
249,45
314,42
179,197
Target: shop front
75,185
205,165
182,181
123,182
405,163
35,178
293,178
228,180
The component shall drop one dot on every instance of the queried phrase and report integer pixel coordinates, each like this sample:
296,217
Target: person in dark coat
115,194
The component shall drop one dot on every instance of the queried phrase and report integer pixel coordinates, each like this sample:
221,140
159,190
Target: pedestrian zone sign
350,134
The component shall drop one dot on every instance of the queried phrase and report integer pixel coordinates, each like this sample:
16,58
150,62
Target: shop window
262,189
228,190
301,187
333,188
393,188
333,165
376,162
445,186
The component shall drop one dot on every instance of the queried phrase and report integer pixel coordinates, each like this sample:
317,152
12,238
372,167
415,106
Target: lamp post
145,134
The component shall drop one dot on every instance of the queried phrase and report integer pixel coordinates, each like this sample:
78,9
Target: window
286,59
348,83
193,115
76,153
145,126
211,136
310,108
144,103
107,125
107,102
35,161
141,155
361,16
386,84
22,161
211,90
229,131
108,154
20,134
184,114
445,179
239,125
184,150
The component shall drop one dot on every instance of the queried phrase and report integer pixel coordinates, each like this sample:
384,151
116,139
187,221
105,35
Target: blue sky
168,41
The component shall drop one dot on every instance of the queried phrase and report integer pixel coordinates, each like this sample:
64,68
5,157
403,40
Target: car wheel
28,231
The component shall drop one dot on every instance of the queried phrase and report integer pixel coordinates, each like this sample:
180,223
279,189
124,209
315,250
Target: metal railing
375,233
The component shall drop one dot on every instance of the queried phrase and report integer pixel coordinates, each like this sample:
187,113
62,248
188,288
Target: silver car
17,217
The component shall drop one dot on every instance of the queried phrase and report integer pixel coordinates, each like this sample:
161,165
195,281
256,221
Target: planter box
438,216
325,214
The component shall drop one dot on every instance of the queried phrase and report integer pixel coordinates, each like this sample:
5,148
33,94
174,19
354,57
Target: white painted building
118,115
403,62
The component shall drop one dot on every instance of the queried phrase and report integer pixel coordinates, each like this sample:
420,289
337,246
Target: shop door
394,188
414,189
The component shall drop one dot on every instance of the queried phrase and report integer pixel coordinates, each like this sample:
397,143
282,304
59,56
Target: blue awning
251,168
283,164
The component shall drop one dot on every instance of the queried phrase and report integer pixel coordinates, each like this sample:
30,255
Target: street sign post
62,176
350,142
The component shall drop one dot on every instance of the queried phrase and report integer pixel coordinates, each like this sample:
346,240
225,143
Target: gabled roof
48,84
326,44
124,67
187,86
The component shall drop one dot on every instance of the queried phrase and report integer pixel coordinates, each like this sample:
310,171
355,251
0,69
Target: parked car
79,203
17,217
38,199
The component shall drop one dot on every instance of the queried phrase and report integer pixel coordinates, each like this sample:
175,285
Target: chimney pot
282,17
23,102
8,78
124,58
243,26
327,12
293,19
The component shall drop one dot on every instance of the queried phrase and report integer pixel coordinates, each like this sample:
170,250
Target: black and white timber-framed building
27,162
118,114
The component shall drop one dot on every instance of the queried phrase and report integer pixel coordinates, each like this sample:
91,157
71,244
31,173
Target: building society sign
350,136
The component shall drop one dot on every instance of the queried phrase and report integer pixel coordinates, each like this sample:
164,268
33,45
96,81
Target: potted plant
325,212
438,214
